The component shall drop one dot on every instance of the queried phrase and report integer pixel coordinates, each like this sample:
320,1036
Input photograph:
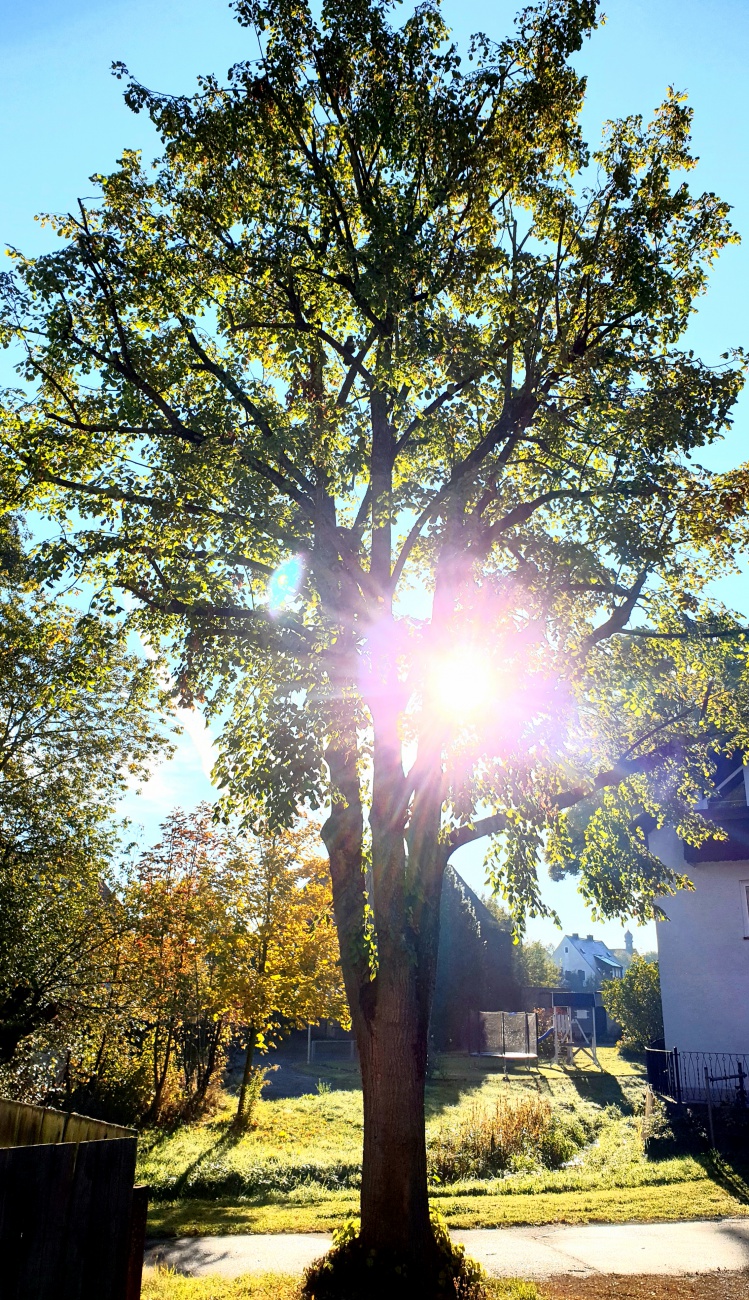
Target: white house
586,961
703,947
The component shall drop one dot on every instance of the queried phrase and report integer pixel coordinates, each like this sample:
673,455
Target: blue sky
62,118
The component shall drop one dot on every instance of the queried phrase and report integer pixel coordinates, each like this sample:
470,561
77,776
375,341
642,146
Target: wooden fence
72,1225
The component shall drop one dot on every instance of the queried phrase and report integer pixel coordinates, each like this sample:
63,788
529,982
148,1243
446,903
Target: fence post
677,1075
709,1109
137,1241
742,1088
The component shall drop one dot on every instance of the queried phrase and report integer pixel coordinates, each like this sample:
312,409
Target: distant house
703,947
586,963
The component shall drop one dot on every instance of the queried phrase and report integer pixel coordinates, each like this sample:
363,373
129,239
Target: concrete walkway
673,1249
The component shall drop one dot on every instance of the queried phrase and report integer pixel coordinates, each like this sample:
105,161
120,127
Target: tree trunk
205,1073
391,1002
154,1110
393,1054
240,1117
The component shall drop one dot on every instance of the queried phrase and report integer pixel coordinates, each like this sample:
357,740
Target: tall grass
490,1140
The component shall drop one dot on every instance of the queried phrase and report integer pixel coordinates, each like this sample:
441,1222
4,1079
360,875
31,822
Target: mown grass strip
701,1199
160,1284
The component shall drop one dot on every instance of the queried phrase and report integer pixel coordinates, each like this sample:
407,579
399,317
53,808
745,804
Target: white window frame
744,885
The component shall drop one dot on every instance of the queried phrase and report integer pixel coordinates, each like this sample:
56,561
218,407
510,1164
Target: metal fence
693,1078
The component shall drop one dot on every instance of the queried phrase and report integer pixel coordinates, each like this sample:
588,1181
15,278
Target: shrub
634,1001
490,1141
350,1272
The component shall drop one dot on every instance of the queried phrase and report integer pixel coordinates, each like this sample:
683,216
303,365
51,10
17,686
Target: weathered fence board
66,1207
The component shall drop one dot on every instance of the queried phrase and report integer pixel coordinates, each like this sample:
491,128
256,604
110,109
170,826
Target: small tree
224,934
536,965
283,959
634,1002
172,958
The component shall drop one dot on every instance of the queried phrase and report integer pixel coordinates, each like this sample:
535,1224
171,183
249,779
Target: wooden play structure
574,1026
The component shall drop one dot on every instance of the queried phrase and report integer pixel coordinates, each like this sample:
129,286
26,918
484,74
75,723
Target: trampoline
508,1036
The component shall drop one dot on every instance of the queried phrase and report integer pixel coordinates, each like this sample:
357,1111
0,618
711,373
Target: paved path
669,1248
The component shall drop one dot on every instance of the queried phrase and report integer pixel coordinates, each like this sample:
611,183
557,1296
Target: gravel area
648,1286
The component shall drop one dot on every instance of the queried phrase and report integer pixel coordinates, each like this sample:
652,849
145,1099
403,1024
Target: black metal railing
688,1078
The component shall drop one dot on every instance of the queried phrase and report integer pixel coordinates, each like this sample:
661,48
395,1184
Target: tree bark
389,990
391,1003
239,1118
393,1054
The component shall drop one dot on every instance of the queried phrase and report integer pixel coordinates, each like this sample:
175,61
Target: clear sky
62,118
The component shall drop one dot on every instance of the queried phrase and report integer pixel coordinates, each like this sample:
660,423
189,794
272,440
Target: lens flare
461,684
284,583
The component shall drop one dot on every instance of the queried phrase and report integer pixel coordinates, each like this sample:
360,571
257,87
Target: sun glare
284,584
461,684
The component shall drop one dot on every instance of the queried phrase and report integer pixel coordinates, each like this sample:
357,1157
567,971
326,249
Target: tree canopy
634,1001
78,719
384,322
373,399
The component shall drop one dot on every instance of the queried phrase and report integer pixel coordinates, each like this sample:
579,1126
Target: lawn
707,1286
159,1285
298,1168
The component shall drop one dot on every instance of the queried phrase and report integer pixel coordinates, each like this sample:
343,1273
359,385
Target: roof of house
593,950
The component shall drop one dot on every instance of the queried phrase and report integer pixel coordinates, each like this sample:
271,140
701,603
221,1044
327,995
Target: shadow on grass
458,1075
728,1172
600,1087
228,1139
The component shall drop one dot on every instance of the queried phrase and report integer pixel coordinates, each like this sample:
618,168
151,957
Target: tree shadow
730,1173
456,1075
600,1088
228,1139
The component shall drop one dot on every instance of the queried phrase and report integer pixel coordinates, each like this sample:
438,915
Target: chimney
576,935
590,938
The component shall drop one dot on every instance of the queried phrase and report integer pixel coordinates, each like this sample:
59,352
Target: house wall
703,954
573,961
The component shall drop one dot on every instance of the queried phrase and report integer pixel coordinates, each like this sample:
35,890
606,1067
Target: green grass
298,1169
161,1285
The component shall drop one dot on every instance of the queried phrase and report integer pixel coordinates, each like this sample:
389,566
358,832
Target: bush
350,1272
490,1141
634,1001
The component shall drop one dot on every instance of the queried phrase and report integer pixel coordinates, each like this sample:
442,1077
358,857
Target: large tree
371,399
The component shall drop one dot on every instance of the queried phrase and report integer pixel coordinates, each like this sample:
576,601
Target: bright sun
461,683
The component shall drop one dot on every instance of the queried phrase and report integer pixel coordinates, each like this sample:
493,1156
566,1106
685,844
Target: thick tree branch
502,429
692,632
133,498
620,616
622,770
305,498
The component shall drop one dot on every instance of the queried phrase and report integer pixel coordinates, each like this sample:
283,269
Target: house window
745,905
